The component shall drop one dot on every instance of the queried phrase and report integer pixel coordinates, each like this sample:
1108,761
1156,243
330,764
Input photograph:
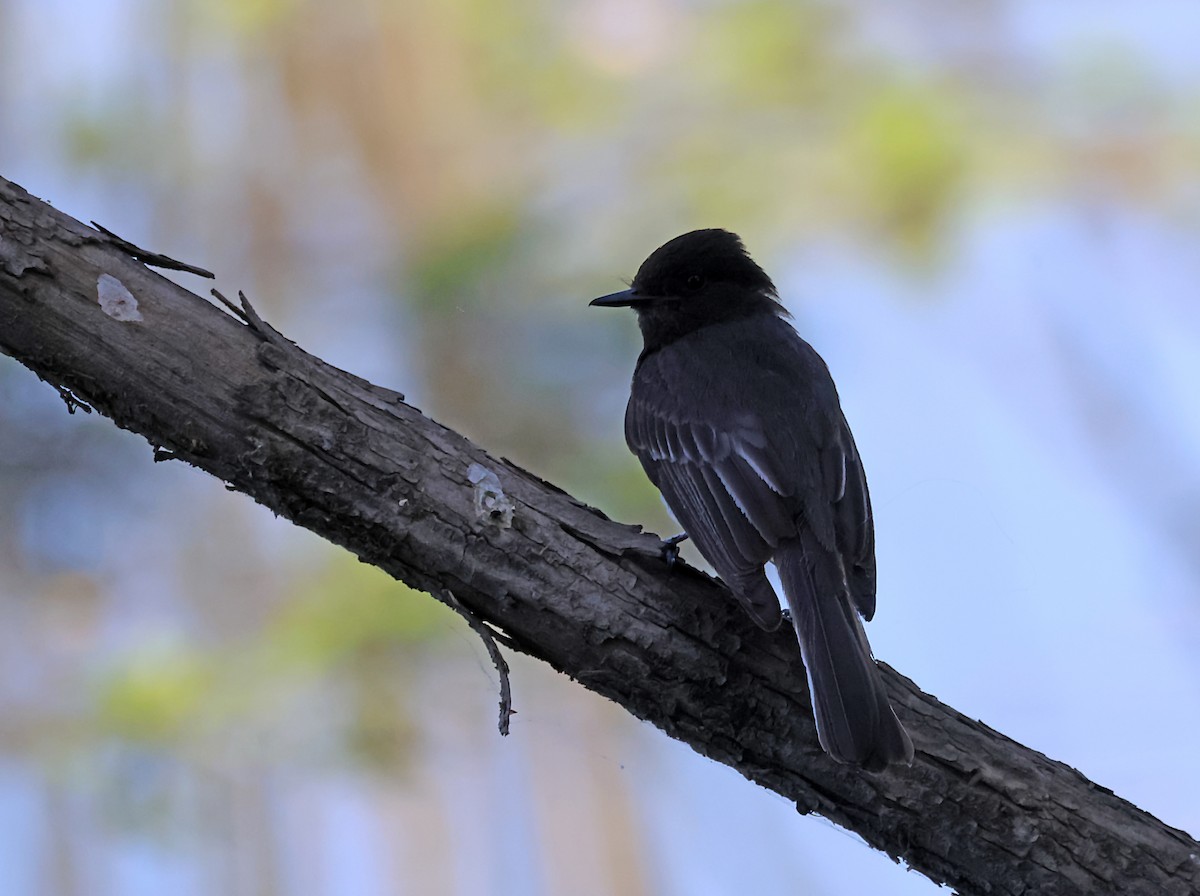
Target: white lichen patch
491,504
115,300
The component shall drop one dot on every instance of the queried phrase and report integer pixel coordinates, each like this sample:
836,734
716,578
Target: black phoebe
736,420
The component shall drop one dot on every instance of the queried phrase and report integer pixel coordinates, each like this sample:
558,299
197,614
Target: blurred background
986,217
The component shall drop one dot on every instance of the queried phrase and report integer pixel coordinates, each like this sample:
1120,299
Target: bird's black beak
619,299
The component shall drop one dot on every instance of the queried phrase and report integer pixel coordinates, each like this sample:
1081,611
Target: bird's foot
670,549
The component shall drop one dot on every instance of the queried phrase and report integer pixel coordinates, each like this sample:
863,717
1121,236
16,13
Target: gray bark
359,466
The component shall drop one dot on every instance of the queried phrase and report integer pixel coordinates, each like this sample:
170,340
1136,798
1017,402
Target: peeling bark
359,466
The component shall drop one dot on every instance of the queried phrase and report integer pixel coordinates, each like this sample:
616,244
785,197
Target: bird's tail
855,722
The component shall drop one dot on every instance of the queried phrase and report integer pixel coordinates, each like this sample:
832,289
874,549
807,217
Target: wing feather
854,525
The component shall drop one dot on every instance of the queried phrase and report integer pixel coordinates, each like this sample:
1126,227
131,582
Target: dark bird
737,422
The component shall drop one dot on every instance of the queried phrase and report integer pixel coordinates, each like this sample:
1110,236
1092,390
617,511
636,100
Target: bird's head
697,279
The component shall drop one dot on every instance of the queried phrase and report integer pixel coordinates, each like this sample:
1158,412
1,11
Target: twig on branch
261,327
246,312
154,259
489,641
72,401
233,309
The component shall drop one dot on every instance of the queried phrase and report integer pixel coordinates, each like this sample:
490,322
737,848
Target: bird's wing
722,488
716,475
853,522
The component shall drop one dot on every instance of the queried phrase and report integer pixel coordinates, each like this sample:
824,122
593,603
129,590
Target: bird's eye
694,282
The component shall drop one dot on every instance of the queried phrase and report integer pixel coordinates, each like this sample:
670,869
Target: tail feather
855,721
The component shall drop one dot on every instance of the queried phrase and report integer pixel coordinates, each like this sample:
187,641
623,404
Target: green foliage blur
349,627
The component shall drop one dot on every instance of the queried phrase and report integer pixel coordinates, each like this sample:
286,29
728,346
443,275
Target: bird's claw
670,549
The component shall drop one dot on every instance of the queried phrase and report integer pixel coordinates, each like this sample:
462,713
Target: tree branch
558,580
